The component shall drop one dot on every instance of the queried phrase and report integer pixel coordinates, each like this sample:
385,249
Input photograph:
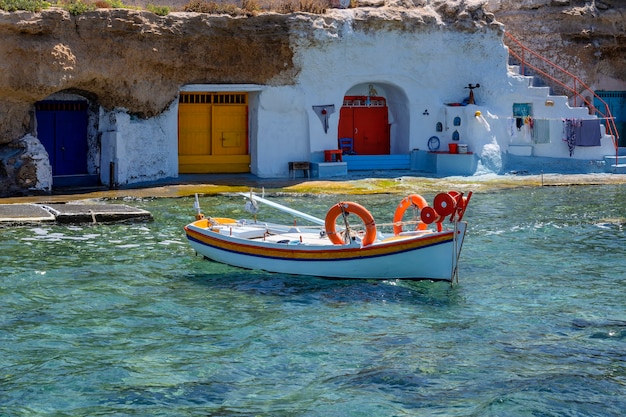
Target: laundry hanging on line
577,132
541,131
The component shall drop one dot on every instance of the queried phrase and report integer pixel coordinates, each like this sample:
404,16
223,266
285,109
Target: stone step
617,169
539,91
611,160
83,180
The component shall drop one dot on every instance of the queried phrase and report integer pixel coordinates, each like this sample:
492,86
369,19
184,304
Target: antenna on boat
251,205
196,206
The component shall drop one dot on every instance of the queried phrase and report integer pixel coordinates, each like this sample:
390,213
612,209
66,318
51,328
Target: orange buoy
456,195
462,206
444,204
408,201
348,207
429,215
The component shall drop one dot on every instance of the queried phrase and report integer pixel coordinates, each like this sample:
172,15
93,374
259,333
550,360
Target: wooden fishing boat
427,246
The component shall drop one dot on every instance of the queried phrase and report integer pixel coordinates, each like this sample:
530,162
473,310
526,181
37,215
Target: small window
457,121
439,127
455,135
522,109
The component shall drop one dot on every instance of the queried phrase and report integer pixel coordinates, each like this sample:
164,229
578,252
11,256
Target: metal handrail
611,128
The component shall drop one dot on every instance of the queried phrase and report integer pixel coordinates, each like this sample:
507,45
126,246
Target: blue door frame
616,100
62,129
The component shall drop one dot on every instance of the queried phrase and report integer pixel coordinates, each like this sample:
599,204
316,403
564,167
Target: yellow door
194,125
229,130
212,133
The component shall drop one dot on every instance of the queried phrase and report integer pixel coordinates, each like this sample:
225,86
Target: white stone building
402,92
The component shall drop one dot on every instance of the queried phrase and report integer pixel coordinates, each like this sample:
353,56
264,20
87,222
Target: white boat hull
432,255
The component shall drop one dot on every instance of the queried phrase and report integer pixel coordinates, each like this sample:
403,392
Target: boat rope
402,223
346,232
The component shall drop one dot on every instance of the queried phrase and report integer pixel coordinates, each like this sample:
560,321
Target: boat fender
462,205
348,207
444,204
415,200
429,215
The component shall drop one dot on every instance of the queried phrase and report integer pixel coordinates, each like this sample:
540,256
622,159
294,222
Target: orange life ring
349,207
408,201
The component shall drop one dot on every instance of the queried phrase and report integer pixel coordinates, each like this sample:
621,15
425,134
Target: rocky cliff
138,61
130,59
588,38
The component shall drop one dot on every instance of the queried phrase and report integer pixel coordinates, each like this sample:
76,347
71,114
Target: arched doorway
375,117
365,119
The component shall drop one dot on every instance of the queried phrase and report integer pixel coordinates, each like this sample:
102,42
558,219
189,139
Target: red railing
567,81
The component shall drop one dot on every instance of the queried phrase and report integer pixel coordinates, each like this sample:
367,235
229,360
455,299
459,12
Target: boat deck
299,236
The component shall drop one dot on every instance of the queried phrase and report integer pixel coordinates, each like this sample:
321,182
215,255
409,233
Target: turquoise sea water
124,320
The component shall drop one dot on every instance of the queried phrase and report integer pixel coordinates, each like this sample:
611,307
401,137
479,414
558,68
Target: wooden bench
303,166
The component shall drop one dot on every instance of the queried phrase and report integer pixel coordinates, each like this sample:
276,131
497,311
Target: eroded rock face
134,59
586,37
25,167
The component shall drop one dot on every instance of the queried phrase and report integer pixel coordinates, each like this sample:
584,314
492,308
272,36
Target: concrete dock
30,213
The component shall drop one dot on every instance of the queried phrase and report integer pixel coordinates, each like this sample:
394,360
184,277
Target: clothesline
560,119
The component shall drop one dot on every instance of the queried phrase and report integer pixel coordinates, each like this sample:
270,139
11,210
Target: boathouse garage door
62,130
366,121
616,100
213,133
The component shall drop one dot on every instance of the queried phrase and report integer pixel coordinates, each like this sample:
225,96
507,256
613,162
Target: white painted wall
414,71
418,72
36,152
143,150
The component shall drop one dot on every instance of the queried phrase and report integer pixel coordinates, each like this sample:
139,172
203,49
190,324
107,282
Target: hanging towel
571,131
541,131
511,128
589,133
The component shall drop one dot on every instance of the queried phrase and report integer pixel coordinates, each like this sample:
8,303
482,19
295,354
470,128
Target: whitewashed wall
418,72
141,150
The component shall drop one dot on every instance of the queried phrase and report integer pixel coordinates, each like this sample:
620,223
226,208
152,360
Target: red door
365,120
